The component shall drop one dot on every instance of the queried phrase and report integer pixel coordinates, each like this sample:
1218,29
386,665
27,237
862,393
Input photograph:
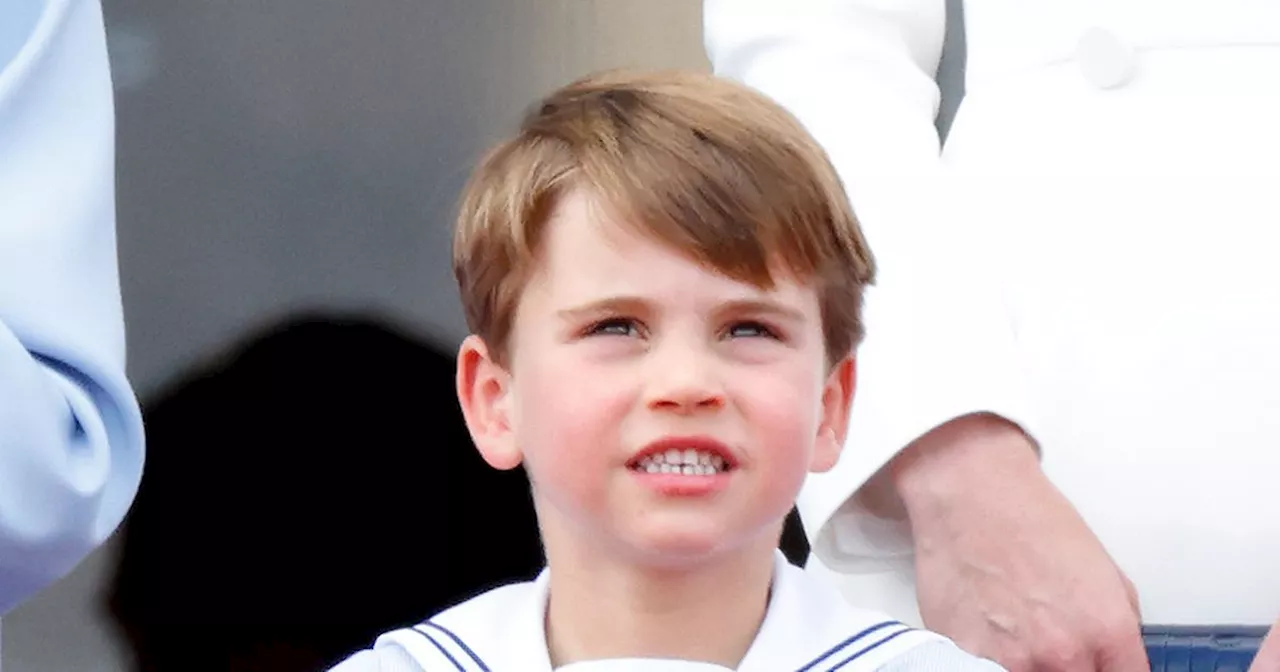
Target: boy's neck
710,612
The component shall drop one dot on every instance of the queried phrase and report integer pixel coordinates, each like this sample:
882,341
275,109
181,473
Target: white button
1106,60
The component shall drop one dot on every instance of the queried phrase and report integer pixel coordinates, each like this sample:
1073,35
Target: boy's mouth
688,456
689,462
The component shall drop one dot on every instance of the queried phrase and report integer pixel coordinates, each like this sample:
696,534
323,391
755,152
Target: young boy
664,283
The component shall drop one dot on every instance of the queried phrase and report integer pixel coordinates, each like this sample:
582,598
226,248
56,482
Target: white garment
1092,255
807,627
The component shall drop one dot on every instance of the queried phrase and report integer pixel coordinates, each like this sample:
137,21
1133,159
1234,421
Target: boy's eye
749,330
617,326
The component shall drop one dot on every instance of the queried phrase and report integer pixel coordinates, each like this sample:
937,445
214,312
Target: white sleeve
71,444
386,658
859,74
939,657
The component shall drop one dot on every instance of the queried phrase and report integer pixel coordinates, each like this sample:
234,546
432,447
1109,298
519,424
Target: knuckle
1118,640
1120,628
1062,658
1061,650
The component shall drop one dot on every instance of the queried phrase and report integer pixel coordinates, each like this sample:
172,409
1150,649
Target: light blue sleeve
939,657
71,443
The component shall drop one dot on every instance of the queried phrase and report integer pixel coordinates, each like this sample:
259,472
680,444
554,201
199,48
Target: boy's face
626,358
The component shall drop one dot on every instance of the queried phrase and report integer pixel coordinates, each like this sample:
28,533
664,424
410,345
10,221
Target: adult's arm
71,442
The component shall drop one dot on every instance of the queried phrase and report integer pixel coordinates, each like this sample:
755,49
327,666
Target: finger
1268,658
1063,653
1127,653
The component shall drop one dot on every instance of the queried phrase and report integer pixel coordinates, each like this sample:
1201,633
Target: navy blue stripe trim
847,643
855,656
450,635
436,644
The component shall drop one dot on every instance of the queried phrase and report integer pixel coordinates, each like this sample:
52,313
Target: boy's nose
684,384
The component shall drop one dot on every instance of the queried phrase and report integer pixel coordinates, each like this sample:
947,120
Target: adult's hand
1005,566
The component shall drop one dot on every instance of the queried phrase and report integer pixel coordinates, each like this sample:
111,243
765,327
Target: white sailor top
808,628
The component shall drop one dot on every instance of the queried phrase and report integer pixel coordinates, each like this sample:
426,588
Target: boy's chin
674,550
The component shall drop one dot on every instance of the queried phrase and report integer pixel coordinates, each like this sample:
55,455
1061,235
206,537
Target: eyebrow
771,309
613,304
634,304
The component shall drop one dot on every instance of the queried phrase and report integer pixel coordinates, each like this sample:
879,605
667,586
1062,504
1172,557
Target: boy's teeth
689,462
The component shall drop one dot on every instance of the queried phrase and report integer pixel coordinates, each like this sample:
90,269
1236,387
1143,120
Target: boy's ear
484,392
837,400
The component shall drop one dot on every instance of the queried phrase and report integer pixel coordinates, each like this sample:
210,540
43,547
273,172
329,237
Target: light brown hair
706,166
